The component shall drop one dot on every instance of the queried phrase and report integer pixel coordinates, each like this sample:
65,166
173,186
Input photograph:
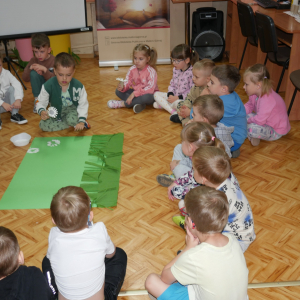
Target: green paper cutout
41,174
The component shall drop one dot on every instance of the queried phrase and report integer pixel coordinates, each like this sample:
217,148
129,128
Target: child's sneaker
17,118
138,108
179,220
175,118
87,125
156,105
115,104
165,179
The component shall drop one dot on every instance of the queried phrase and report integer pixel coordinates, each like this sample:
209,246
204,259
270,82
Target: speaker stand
10,63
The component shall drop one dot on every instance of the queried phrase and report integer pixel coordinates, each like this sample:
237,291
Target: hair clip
147,47
265,77
213,138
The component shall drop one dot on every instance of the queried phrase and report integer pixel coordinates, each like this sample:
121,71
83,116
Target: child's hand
44,115
205,92
129,99
7,107
190,240
120,87
173,164
184,111
17,104
170,195
38,68
79,126
172,98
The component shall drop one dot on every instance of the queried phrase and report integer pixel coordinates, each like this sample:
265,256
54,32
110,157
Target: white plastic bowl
21,139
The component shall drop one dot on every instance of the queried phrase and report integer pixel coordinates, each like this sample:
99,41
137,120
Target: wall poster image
121,24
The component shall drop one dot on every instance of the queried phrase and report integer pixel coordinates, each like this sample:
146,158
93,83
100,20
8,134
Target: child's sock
115,104
156,105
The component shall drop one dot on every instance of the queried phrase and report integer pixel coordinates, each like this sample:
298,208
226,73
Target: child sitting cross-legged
81,259
193,136
212,167
66,94
266,111
183,59
140,82
212,265
201,76
11,96
16,280
210,109
224,79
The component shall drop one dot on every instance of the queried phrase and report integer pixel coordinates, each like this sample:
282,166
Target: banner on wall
122,24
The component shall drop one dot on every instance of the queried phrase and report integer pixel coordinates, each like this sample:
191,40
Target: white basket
21,139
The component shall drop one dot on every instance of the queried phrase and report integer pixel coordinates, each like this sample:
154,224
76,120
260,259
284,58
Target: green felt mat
93,162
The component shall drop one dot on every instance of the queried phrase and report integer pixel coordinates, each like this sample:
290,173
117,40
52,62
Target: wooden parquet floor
141,224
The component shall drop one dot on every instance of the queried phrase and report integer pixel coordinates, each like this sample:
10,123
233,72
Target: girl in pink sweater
183,58
266,111
140,82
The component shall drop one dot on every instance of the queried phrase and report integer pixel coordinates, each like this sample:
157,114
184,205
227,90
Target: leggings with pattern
263,132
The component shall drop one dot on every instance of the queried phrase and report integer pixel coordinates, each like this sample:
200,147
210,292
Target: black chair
267,36
248,27
295,79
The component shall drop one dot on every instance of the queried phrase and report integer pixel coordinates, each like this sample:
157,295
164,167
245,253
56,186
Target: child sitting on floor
66,94
81,258
183,59
212,265
16,280
212,167
193,136
210,109
140,82
266,111
40,67
201,76
224,79
11,96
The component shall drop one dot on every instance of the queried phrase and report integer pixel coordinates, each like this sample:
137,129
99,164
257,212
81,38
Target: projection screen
21,18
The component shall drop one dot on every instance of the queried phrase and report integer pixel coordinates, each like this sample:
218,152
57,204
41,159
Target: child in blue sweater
224,79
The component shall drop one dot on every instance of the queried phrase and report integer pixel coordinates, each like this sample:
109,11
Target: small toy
121,79
52,112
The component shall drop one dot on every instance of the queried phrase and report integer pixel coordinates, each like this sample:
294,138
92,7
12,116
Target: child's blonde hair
210,107
206,65
200,134
208,208
70,208
259,73
148,52
184,51
212,163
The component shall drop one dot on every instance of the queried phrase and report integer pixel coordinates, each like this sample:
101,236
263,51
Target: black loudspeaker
207,33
